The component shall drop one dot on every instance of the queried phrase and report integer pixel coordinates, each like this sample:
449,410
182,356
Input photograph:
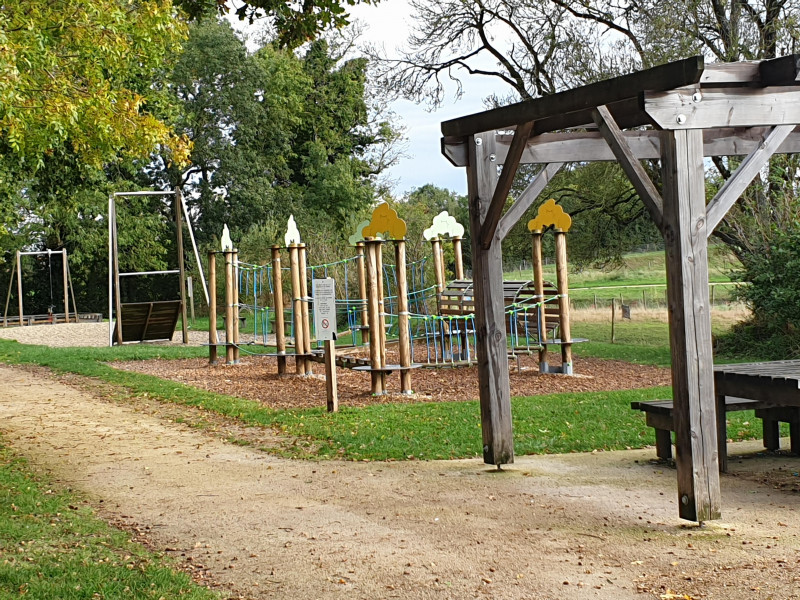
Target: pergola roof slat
664,77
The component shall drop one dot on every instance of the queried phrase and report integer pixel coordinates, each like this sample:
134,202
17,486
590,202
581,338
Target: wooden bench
658,415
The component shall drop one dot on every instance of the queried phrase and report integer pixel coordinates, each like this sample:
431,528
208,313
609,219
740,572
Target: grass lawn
53,547
543,424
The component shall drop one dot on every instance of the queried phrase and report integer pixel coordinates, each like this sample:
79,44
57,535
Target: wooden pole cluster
362,292
377,323
538,286
403,316
438,264
562,284
306,300
302,327
231,307
440,272
459,257
277,303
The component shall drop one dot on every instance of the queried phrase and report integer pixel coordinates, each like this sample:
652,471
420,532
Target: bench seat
659,416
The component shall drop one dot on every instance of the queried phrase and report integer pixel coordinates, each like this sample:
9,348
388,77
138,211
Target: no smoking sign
324,292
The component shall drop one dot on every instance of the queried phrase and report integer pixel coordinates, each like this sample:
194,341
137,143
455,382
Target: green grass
599,286
53,547
552,423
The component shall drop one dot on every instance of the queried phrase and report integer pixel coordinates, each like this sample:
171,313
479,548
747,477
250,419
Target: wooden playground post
299,336
538,286
373,310
277,302
66,284
613,320
331,392
8,295
562,282
229,357
235,306
457,251
381,310
19,286
402,316
212,307
438,267
362,292
304,307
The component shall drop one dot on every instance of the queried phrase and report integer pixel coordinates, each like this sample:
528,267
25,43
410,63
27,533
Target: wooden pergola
679,113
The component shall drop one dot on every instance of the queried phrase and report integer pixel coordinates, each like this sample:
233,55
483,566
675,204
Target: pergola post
487,268
685,241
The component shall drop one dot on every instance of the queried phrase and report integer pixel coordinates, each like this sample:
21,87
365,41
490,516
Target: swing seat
149,321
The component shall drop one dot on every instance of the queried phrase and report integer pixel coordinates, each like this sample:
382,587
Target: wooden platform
149,321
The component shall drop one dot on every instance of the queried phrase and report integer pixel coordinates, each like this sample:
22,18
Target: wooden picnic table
776,382
772,389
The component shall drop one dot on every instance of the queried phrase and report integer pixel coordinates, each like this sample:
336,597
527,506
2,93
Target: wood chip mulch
256,378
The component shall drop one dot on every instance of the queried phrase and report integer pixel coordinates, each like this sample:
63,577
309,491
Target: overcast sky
389,23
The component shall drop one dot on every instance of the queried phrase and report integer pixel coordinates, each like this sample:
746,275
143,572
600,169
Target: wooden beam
587,146
744,73
454,149
504,183
694,108
526,198
630,164
780,71
664,77
743,176
627,113
686,248
487,265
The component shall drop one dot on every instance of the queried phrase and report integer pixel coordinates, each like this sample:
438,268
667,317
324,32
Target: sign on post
324,293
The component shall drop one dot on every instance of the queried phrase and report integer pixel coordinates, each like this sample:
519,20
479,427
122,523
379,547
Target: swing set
51,316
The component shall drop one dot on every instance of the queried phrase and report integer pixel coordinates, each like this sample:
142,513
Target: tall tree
72,74
273,133
293,22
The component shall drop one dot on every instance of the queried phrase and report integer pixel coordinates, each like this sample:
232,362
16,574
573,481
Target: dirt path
598,525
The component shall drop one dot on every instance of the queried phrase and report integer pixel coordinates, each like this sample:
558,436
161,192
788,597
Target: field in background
640,282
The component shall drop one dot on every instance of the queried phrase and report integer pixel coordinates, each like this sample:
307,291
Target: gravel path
600,525
80,335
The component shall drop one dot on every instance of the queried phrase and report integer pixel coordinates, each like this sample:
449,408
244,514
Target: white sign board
324,293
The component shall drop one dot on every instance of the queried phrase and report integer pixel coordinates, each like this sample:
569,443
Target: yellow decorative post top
385,220
550,213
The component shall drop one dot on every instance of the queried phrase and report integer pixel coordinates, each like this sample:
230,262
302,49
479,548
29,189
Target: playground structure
51,316
430,326
153,320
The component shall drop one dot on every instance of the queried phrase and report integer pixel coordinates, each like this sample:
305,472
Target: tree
273,133
294,23
72,74
240,111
